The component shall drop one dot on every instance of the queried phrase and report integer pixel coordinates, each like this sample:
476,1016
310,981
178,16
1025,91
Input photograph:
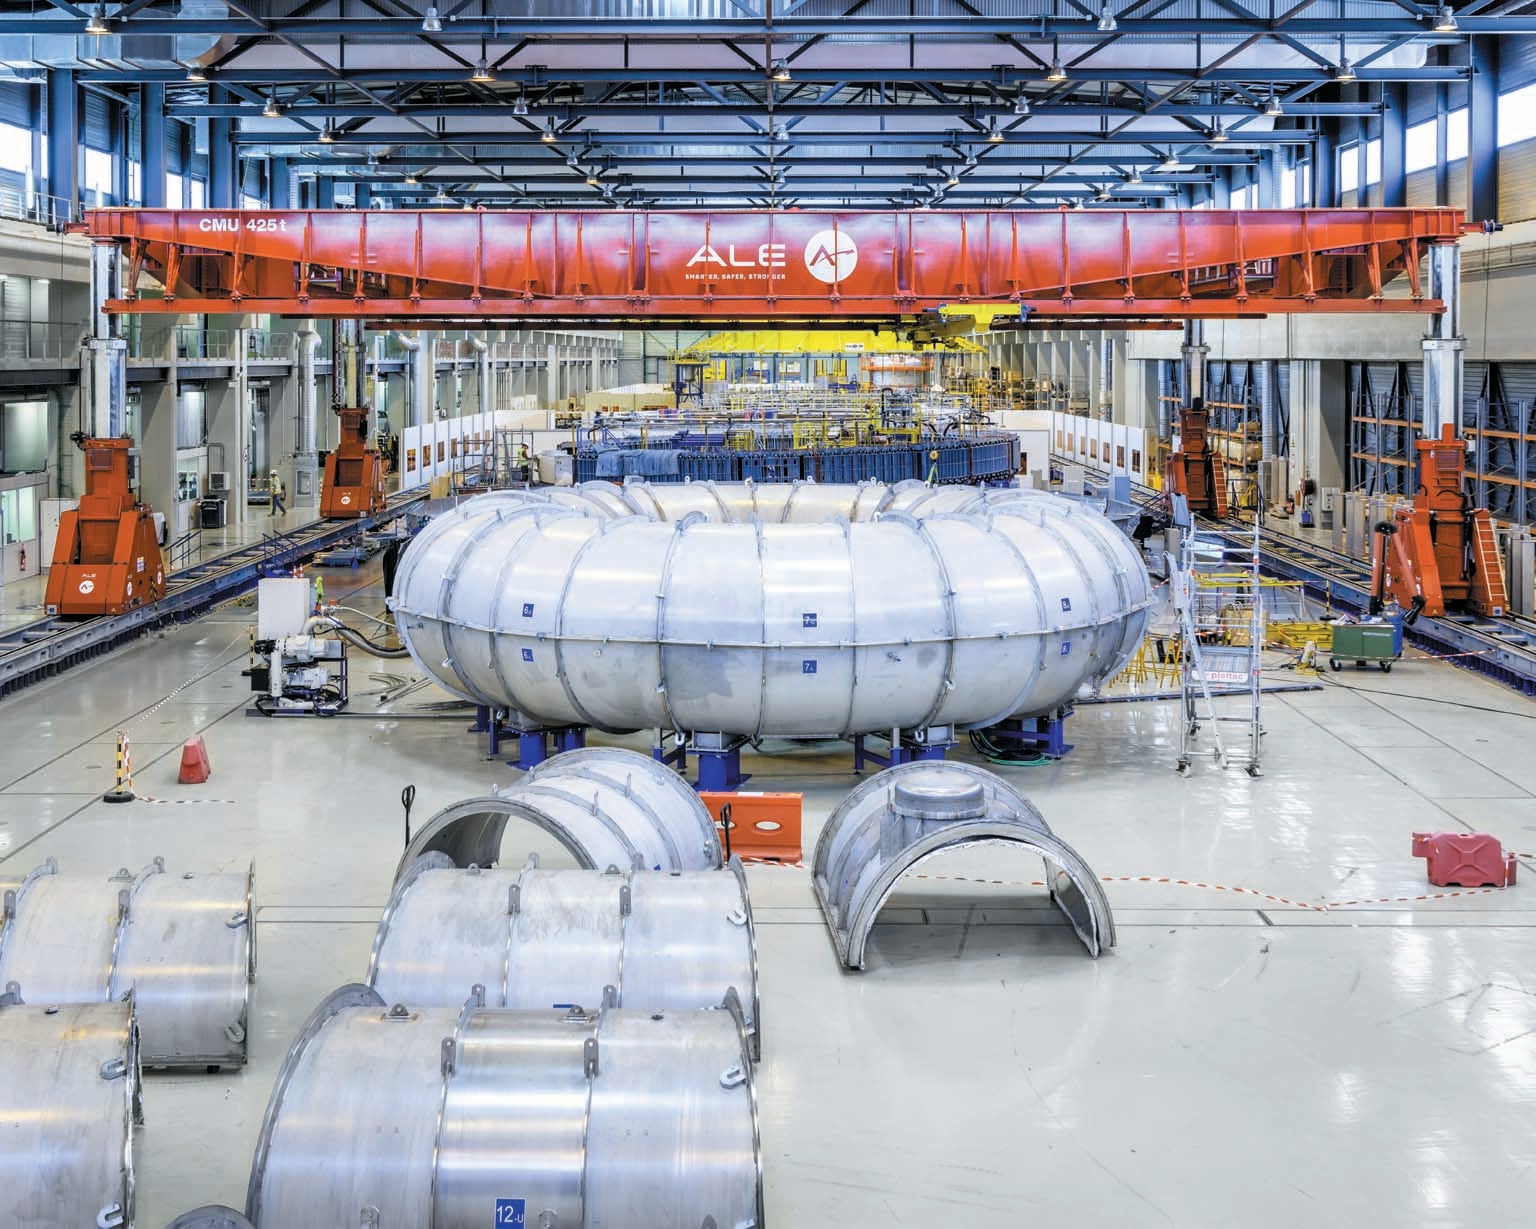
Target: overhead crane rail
763,265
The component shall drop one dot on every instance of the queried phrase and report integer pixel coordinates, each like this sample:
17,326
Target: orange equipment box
763,827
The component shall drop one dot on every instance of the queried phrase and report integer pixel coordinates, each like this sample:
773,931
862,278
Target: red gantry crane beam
689,266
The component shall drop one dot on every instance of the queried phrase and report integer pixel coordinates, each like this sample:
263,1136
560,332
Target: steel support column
104,360
1394,135
1443,343
1482,131
63,137
1195,353
152,134
278,182
223,190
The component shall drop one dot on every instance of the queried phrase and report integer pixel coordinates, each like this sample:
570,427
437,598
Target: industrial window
250,202
1349,167
1419,150
198,194
1246,197
1373,162
1136,460
1456,134
1120,455
1288,199
1517,116
98,172
174,188
135,182
15,149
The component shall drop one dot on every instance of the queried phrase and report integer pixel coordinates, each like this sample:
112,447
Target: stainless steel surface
182,943
892,822
441,1117
69,1100
607,806
771,610
538,938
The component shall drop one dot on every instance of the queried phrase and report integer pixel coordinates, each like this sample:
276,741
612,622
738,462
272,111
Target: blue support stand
910,747
1045,736
534,746
719,766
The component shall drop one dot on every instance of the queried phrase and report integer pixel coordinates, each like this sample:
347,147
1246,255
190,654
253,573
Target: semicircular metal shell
890,823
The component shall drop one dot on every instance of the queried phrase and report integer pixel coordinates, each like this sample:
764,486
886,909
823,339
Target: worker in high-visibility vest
319,593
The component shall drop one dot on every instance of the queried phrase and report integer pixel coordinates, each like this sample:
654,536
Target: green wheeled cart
1363,643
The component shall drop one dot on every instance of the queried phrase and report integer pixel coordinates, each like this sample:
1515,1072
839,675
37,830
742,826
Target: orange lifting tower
354,473
1441,553
107,558
1196,470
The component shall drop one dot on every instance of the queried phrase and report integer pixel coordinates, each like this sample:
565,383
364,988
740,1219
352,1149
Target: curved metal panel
69,1100
607,806
642,1119
773,609
183,945
548,938
353,1117
895,820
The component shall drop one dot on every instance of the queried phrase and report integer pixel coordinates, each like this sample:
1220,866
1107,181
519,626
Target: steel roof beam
651,30
640,110
860,140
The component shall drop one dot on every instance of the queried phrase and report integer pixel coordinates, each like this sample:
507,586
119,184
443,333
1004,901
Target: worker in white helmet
277,494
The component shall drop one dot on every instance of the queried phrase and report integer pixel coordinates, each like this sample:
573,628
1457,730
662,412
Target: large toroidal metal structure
449,1118
184,945
538,938
891,822
69,1100
798,610
606,806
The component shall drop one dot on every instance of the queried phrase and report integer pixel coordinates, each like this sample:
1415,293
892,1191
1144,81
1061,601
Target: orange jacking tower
107,558
1440,554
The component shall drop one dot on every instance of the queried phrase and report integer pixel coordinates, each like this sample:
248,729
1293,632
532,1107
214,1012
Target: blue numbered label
527,654
1066,604
808,667
1066,647
527,610
511,1214
808,619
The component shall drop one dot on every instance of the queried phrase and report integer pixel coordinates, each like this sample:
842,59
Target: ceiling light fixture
273,109
196,73
97,23
432,23
442,198
1345,71
996,133
327,136
1133,176
781,133
1021,105
1445,20
1219,134
520,106
482,74
1170,163
1272,107
548,135
592,180
1107,22
1057,73
411,178
780,71
953,180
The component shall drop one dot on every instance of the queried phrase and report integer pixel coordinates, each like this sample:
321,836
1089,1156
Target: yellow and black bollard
123,790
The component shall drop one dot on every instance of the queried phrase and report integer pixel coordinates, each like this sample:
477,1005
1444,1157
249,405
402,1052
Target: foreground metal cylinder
183,944
890,823
543,938
771,610
448,1118
69,1099
607,806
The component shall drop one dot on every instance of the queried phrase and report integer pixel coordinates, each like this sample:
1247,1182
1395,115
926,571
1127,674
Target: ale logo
831,257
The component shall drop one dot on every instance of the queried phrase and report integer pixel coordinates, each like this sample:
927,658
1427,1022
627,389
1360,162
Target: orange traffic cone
194,762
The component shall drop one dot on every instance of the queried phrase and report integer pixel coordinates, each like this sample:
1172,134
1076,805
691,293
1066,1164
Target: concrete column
1319,423
229,429
1135,387
157,448
420,382
1195,353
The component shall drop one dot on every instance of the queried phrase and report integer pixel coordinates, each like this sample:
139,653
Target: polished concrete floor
1234,1062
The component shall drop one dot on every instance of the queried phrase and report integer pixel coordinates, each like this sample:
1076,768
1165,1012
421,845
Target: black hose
360,641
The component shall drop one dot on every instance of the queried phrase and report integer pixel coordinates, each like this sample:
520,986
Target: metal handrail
53,212
180,551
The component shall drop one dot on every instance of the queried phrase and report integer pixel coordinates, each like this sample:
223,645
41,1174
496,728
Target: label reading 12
511,1214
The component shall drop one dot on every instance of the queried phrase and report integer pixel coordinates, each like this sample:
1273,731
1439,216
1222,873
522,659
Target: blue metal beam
1394,136
1482,131
63,135
152,131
